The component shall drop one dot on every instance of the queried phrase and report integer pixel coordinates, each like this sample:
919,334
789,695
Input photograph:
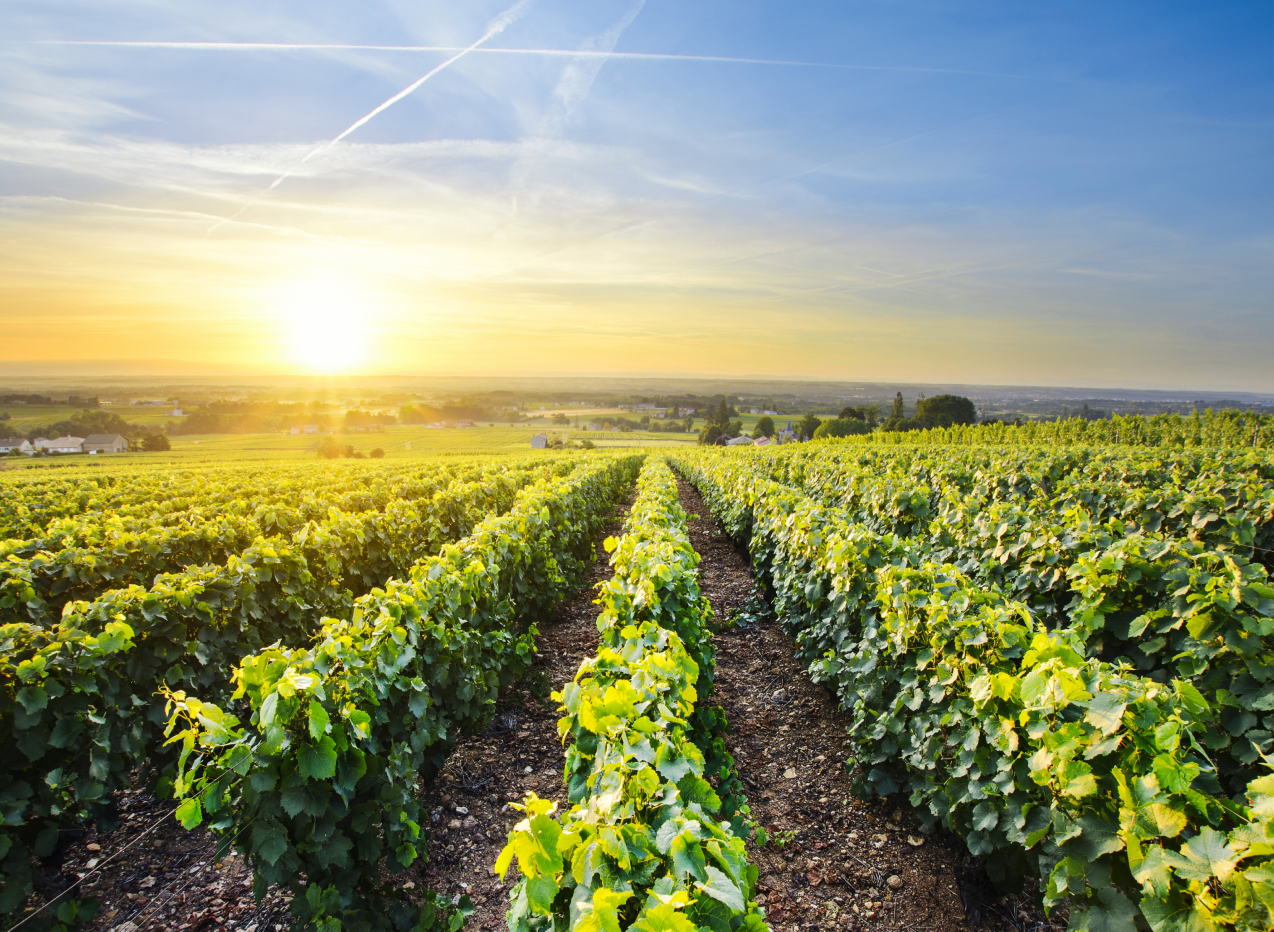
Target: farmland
1054,657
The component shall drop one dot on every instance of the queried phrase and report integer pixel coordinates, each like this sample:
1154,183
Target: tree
688,425
764,428
898,411
721,416
945,410
156,442
329,448
377,454
708,436
809,424
867,414
841,427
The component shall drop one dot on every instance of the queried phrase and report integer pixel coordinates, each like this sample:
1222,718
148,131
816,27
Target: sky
991,193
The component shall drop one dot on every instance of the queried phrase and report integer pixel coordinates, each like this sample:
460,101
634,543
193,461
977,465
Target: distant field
424,443
25,418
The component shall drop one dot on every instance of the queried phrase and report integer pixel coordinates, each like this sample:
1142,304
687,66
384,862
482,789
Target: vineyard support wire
100,867
167,895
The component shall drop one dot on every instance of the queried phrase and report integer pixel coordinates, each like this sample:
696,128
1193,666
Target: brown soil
153,874
833,861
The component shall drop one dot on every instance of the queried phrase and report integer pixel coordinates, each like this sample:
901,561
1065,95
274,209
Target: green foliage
329,448
946,411
155,441
869,414
1115,751
321,783
391,516
96,670
1209,429
841,427
647,843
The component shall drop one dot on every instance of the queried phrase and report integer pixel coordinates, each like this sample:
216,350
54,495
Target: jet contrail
558,53
497,26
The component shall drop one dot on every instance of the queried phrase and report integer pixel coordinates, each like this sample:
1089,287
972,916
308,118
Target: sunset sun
325,325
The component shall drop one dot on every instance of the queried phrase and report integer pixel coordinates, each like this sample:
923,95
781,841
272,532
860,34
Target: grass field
25,418
400,442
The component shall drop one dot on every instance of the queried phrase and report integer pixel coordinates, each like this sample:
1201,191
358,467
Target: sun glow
326,324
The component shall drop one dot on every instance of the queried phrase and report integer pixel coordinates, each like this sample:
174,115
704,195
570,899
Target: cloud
494,28
578,77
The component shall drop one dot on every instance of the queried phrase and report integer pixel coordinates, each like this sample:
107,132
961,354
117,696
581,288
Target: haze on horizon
933,192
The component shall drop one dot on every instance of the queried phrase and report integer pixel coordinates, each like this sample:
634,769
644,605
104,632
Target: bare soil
153,874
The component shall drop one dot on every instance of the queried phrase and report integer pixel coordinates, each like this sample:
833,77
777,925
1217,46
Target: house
21,444
539,441
594,425
763,441
740,441
105,443
177,412
63,445
770,413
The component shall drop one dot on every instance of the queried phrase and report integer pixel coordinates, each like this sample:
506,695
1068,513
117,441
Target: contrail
559,53
497,26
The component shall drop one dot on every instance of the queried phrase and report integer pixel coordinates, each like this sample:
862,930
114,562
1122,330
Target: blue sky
1070,194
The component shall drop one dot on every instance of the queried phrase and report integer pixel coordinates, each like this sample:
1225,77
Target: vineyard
1056,656
1063,656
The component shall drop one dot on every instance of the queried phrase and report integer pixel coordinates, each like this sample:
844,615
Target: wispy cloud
578,77
494,28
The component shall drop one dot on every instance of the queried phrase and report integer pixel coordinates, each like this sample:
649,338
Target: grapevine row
1045,758
318,788
80,699
649,843
37,505
39,577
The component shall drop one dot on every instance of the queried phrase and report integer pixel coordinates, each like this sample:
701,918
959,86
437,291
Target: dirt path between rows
469,818
835,862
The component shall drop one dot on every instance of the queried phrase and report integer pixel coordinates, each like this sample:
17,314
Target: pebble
789,774
915,841
895,882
